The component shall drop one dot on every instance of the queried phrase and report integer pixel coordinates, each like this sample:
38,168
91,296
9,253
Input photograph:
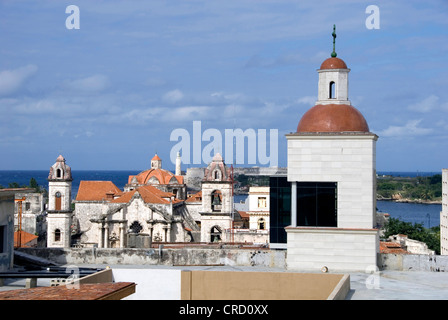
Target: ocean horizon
120,177
427,214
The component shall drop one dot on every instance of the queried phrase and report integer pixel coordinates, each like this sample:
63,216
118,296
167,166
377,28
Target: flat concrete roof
383,285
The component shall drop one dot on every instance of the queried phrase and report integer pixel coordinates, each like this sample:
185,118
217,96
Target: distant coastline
417,201
120,178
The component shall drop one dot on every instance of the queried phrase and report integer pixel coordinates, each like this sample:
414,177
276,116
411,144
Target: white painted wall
152,284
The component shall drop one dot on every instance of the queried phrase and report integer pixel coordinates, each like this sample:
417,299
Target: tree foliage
423,188
414,231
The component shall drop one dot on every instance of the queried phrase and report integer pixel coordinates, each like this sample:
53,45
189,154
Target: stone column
100,235
106,236
122,235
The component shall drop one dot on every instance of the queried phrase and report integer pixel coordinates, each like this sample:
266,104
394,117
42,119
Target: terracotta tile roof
163,176
24,240
96,190
244,214
149,194
92,291
391,247
156,157
197,197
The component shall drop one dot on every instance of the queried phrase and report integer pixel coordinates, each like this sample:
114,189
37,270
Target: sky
111,92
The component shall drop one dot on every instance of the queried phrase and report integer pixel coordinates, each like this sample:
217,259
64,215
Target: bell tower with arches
59,204
217,201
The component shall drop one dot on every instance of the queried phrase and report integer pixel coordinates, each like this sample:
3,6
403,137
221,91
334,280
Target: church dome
333,63
332,118
156,176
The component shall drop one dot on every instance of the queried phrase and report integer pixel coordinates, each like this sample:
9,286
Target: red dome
333,63
333,118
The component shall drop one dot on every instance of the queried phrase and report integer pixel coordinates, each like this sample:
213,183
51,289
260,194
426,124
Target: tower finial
334,54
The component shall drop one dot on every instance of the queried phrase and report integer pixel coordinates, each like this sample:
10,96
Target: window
332,90
216,175
27,206
57,202
57,235
280,208
216,199
136,227
2,239
261,202
58,173
317,204
215,234
261,224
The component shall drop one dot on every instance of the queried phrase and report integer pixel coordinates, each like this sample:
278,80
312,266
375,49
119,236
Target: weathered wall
208,256
181,256
414,262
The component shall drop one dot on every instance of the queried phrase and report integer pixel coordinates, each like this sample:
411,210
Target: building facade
59,211
6,229
151,208
444,215
332,171
217,201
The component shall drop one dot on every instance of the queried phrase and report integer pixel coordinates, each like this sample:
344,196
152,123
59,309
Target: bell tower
59,204
217,201
333,79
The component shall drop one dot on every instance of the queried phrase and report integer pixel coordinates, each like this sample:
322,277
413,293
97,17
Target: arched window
216,175
57,201
215,234
261,224
332,90
216,199
57,235
58,173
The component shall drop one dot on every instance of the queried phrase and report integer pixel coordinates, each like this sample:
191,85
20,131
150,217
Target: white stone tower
332,170
217,201
59,204
178,165
156,162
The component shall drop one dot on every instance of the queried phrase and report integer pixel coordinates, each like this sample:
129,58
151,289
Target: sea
426,214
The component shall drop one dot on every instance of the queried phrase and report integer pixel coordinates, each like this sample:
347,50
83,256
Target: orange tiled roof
162,175
391,247
149,194
197,197
156,157
91,291
244,214
96,190
25,238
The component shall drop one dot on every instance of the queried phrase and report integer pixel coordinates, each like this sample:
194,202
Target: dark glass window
317,204
280,208
2,239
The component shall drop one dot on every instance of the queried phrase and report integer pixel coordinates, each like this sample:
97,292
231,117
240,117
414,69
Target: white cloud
409,129
308,100
12,80
93,83
426,105
173,96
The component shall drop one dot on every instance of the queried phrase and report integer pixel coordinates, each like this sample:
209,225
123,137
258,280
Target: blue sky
109,94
